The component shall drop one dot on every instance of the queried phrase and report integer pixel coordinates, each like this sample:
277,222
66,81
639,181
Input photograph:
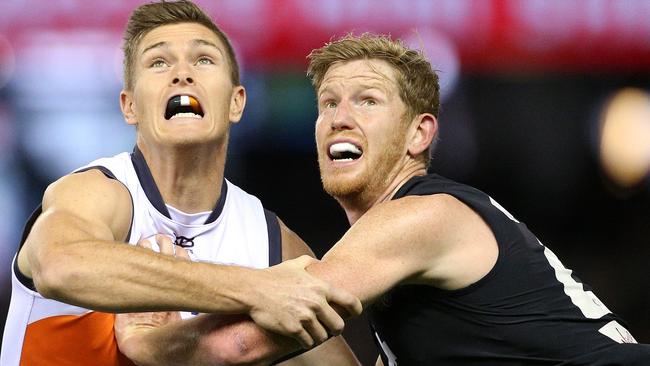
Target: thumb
303,261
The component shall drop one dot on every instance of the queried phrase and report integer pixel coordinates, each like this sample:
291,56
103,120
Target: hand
130,328
290,301
165,246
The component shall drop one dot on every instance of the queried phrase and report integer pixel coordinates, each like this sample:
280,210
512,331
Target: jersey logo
184,242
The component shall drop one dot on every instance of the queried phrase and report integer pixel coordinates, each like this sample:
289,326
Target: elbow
234,353
49,283
50,277
239,346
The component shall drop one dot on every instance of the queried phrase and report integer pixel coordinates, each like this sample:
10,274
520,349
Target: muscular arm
334,351
434,240
213,339
75,254
431,240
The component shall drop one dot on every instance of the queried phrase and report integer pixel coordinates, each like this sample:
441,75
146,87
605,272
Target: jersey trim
24,280
147,182
218,209
153,194
108,173
275,237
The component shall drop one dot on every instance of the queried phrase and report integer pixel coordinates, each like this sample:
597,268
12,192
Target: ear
424,130
237,103
128,107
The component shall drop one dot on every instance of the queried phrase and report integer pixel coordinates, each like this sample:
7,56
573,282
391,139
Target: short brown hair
150,16
417,82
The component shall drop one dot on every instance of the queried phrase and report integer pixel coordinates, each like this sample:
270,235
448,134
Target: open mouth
183,106
344,151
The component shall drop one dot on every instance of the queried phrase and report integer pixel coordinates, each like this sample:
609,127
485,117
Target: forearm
84,273
208,339
226,340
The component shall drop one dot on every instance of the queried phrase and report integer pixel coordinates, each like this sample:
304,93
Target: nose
183,80
343,117
183,76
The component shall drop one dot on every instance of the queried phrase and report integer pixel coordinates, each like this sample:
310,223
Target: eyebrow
363,85
203,42
162,44
195,42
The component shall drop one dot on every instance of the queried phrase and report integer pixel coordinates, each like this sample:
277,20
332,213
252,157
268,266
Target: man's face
182,92
360,131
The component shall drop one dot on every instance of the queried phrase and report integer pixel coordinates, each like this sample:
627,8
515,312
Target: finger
165,244
331,320
345,300
182,253
303,337
316,330
145,243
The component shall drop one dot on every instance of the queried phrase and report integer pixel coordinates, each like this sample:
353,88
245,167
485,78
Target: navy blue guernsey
528,310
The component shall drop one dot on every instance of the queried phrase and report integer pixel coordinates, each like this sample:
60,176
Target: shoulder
436,237
92,196
413,214
82,186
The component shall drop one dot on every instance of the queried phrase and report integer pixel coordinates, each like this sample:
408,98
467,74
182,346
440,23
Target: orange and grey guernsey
44,332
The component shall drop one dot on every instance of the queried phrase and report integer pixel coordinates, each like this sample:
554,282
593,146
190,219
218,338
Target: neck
357,205
188,178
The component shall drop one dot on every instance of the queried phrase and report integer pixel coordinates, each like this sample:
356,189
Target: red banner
497,35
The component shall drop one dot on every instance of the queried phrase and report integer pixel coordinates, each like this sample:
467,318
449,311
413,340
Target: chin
338,189
363,187
194,138
183,141
344,187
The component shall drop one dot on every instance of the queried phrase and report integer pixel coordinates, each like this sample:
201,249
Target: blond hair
417,82
150,16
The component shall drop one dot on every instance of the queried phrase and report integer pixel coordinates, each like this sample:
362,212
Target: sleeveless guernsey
45,332
528,310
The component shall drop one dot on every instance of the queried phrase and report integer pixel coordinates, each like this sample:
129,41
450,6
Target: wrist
245,294
137,349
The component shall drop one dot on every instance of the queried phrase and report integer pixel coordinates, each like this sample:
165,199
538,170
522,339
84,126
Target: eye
329,104
158,63
369,102
204,61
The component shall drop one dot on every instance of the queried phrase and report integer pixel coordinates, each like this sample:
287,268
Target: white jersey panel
238,235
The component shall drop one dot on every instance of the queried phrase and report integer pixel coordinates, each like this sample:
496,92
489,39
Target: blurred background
545,107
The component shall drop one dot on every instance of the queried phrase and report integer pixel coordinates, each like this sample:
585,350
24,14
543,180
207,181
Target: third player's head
378,103
181,76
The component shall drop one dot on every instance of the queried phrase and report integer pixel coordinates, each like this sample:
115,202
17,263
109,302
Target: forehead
373,72
178,35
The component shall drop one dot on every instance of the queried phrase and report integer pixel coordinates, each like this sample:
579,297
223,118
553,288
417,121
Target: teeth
341,147
341,151
185,100
186,115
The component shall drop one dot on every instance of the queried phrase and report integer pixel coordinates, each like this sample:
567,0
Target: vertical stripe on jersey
275,238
